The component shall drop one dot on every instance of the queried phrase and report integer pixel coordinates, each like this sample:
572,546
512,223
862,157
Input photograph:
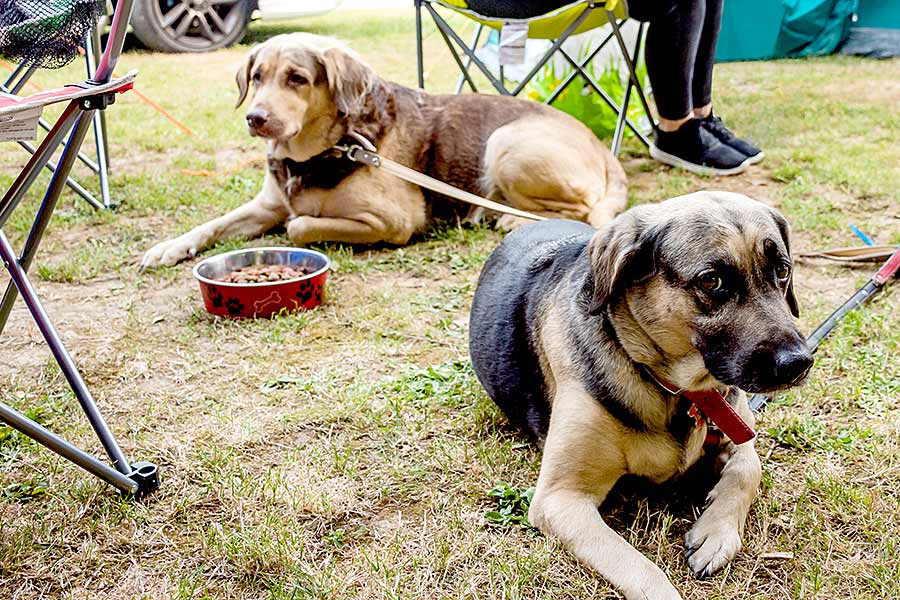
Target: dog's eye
711,281
296,79
257,77
783,272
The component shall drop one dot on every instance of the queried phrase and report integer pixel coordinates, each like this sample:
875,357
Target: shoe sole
756,159
674,161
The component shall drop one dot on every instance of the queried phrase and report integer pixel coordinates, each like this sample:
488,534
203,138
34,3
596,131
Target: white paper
20,125
512,43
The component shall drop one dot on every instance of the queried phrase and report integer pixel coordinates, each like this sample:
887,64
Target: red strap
888,269
720,412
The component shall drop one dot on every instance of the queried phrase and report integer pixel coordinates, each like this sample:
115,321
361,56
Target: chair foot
146,475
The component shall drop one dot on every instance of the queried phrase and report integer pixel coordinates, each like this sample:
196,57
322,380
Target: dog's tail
614,201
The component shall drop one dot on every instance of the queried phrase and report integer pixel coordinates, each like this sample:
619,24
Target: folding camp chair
57,25
554,20
14,84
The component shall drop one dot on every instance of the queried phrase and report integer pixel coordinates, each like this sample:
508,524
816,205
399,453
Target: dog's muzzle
258,121
779,366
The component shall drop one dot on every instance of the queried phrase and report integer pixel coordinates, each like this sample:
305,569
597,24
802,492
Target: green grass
350,452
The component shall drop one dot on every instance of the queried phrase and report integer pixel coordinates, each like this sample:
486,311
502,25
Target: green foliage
581,101
449,379
24,491
512,506
10,439
810,434
335,537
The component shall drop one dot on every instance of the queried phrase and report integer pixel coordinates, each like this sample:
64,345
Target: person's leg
673,37
701,84
673,40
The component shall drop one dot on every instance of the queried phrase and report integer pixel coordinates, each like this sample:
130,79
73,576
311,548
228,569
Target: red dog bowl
262,299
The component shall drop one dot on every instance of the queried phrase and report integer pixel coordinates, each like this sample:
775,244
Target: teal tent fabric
764,29
749,30
814,27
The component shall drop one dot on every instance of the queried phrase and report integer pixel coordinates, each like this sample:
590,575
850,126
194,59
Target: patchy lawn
347,452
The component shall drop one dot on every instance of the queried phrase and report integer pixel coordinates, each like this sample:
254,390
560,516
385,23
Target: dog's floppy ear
785,230
242,77
623,252
349,80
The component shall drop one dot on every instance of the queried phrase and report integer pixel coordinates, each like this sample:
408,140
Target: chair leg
604,95
557,44
571,76
32,169
70,182
474,45
128,479
419,58
47,207
139,478
620,122
447,33
35,431
91,47
11,80
13,85
99,122
629,62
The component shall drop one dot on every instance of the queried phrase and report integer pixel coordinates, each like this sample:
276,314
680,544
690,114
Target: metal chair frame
453,41
136,478
16,82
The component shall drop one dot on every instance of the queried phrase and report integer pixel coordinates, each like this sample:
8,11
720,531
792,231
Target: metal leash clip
360,154
364,152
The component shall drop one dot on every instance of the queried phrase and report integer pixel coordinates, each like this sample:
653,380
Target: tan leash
852,254
366,153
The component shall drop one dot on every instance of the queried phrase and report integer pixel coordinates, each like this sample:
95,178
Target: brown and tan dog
309,91
573,329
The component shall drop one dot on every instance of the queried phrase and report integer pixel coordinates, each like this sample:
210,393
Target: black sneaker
693,148
715,126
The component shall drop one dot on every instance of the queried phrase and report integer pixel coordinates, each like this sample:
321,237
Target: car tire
190,25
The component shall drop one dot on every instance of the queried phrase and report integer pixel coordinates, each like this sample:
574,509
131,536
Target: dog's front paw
297,230
710,544
662,590
169,253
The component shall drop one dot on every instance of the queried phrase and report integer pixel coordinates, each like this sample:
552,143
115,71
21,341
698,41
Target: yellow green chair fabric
563,19
550,25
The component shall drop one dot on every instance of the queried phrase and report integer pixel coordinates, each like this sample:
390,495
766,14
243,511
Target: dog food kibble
264,273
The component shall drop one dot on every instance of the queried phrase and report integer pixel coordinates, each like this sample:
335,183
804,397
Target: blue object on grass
859,233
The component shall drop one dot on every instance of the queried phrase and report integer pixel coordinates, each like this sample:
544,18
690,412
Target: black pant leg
673,39
706,54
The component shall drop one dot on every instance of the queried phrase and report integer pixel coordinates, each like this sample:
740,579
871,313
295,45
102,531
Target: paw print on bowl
309,290
234,307
216,297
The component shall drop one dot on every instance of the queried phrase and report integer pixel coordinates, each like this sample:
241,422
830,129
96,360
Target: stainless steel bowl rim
275,249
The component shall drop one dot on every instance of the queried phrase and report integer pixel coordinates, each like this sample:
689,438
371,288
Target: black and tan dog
308,92
573,331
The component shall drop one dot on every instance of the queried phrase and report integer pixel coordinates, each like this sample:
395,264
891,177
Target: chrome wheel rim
199,24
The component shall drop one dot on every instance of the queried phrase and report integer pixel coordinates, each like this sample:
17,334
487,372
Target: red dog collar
717,409
712,405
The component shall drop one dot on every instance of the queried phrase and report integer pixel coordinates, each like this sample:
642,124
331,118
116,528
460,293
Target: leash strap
371,158
853,253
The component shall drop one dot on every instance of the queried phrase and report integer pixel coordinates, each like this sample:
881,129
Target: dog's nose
792,364
257,117
776,364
